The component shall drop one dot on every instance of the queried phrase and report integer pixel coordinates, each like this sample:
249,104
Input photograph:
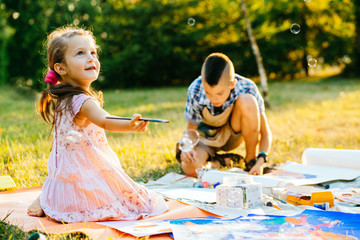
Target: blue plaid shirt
197,99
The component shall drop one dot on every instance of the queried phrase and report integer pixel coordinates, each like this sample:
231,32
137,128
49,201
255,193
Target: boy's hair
56,45
214,66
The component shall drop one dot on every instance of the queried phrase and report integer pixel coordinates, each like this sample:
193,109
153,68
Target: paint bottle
252,192
230,193
241,186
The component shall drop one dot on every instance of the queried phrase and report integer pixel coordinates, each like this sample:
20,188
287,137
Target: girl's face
81,65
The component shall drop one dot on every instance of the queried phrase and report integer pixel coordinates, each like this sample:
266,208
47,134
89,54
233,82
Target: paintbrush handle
141,119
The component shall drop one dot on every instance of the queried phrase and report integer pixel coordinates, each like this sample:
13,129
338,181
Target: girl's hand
138,125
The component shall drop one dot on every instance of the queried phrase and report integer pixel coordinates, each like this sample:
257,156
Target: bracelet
263,155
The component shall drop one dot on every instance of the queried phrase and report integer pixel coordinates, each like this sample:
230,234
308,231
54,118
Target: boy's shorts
233,141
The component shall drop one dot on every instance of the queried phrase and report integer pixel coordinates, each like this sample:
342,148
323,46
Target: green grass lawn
320,113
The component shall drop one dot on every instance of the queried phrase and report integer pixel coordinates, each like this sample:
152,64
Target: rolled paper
344,158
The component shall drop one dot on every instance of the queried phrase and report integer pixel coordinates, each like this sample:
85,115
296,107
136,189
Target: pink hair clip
51,77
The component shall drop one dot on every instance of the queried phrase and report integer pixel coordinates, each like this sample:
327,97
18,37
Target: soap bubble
295,28
189,140
185,144
311,61
191,21
73,136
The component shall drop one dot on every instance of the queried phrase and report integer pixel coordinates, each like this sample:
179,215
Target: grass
320,113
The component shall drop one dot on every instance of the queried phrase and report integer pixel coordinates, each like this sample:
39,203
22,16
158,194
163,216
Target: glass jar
230,193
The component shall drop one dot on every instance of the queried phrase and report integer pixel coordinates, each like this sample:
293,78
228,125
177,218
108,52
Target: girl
85,179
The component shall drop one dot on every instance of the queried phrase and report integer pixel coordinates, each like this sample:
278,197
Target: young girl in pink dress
85,179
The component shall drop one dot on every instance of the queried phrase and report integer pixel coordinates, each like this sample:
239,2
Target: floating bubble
191,21
73,136
307,0
185,144
295,28
346,59
311,62
189,140
71,7
16,15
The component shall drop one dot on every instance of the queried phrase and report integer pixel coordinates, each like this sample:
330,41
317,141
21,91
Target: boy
226,109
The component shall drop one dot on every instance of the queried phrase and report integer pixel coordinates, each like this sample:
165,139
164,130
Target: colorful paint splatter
290,175
310,224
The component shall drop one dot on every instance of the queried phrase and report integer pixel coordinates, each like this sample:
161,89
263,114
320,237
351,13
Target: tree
257,54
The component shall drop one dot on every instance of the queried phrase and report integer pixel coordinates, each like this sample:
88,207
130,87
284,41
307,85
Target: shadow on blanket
16,203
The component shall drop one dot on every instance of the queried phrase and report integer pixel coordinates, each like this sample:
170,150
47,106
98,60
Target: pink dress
85,179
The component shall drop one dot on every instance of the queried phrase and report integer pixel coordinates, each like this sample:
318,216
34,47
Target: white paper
215,176
343,158
140,228
321,173
292,174
204,195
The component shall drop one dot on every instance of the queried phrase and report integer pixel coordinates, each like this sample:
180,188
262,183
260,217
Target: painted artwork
146,227
310,224
290,175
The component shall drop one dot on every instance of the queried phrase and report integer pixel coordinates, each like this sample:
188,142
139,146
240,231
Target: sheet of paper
315,174
215,176
140,228
204,195
221,211
144,228
351,195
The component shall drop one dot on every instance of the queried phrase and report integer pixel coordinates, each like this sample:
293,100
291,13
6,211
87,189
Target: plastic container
240,192
230,193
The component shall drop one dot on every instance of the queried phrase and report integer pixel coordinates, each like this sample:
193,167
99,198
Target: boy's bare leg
35,209
246,119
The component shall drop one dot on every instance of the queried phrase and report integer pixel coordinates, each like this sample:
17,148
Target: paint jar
230,193
239,191
252,192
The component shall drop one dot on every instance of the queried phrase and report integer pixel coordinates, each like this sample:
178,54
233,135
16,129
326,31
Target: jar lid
240,179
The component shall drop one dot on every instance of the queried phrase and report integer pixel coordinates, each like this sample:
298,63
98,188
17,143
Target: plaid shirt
197,99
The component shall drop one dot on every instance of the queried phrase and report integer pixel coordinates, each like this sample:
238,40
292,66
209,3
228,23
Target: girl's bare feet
35,209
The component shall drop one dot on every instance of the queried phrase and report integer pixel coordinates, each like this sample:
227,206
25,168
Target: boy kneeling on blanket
226,109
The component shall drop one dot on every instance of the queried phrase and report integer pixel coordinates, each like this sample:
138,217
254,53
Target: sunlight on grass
313,113
320,122
303,114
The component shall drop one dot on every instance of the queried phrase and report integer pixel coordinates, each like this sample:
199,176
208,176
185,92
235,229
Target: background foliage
152,43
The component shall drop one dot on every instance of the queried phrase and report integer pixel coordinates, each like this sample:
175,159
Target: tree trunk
257,54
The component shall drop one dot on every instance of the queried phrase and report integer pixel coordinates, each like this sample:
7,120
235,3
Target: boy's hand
257,169
188,157
138,125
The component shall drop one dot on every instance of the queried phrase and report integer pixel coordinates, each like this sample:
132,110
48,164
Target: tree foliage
164,42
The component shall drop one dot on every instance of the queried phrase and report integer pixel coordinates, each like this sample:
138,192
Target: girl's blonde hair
56,44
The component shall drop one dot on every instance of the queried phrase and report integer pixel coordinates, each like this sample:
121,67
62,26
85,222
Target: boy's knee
247,104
